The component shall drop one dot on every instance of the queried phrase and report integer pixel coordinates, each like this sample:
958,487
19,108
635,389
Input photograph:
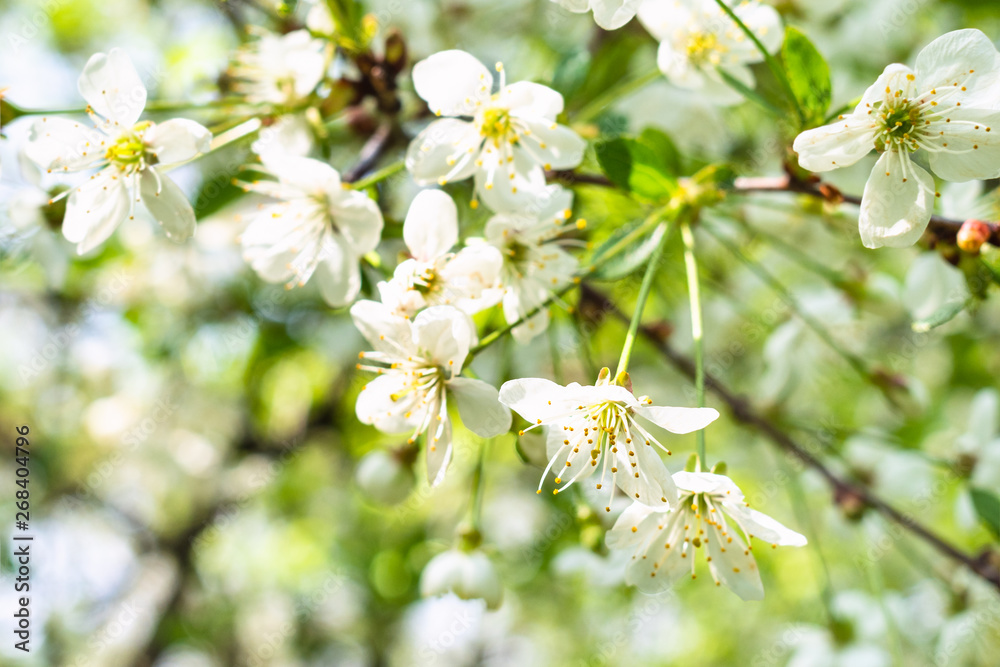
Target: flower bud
972,235
384,477
468,574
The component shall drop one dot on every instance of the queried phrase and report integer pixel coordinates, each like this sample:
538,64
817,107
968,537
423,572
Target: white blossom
710,513
504,140
419,363
944,107
609,14
597,426
130,155
434,275
697,40
468,574
534,265
319,227
279,69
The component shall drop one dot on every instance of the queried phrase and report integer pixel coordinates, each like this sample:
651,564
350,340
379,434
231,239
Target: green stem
625,86
697,330
476,499
772,62
644,289
380,175
749,93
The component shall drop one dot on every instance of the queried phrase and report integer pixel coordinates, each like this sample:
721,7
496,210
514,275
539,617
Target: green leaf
808,74
630,258
663,146
988,508
942,315
637,168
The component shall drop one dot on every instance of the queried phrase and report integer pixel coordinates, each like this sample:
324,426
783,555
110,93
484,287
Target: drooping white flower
697,39
609,14
711,513
946,107
319,227
279,69
435,275
504,140
419,363
468,574
534,266
129,153
597,426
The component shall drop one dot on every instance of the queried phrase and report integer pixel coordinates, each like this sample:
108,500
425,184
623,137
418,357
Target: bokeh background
194,489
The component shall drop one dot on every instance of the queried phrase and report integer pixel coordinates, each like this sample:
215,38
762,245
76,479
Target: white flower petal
764,21
502,193
967,150
431,226
439,449
706,482
536,399
552,145
385,404
445,149
622,535
735,568
678,420
653,486
337,274
168,204
480,407
112,88
386,331
613,14
897,203
95,210
839,144
65,145
445,334
532,101
763,527
967,57
357,218
451,82
177,140
305,174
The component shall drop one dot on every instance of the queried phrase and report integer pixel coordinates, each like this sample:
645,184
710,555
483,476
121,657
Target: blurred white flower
697,40
319,227
128,153
710,510
279,69
468,574
384,477
511,137
435,275
930,284
589,423
946,105
419,365
534,266
609,14
978,451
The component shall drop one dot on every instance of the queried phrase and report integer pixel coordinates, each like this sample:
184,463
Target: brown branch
844,490
371,152
944,228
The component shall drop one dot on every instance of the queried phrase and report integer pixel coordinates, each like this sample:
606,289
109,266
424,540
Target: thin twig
371,152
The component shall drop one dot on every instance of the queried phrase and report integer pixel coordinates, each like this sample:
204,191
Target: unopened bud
468,574
972,235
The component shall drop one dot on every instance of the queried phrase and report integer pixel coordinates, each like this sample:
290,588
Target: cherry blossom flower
697,39
598,425
419,363
534,266
435,275
609,14
711,513
279,69
504,140
319,227
946,106
130,155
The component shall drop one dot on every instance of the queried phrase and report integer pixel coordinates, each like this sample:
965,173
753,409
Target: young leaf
988,508
663,146
630,258
942,315
636,168
808,74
